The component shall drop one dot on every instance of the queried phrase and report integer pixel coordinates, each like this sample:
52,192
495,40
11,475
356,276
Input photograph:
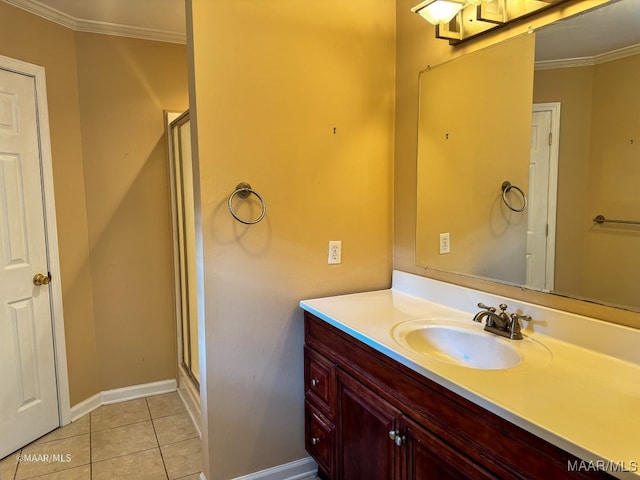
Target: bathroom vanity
381,406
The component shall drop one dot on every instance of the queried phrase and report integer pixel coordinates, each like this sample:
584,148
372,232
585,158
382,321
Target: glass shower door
185,248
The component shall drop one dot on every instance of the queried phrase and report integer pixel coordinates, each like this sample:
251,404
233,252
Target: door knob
40,279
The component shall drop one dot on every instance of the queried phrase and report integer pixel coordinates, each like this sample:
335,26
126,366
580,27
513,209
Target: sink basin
466,344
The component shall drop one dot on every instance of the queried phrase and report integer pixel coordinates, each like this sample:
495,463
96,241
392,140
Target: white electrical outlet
335,252
445,243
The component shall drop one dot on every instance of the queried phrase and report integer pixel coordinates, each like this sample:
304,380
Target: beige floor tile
54,456
79,427
182,458
8,466
118,414
145,465
79,473
165,404
123,440
174,428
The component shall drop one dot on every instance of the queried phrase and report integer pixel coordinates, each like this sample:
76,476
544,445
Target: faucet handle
514,327
503,307
516,316
486,307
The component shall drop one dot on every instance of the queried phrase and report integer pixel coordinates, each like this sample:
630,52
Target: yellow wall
106,99
610,271
417,47
31,39
272,81
125,84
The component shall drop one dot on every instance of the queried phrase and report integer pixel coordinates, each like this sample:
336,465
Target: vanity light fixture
460,20
438,11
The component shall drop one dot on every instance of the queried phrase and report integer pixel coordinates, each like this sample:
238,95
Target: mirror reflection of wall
597,171
599,148
475,113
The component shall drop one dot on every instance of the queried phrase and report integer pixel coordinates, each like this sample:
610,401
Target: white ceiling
162,20
596,32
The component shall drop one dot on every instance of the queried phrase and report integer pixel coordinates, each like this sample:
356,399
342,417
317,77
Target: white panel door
538,188
28,390
543,165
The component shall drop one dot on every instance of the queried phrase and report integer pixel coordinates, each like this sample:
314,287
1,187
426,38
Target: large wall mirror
557,115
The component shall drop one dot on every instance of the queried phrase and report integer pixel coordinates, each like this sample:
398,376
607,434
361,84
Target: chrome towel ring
243,190
506,188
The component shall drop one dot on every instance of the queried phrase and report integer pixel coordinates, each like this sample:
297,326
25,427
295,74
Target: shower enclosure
185,257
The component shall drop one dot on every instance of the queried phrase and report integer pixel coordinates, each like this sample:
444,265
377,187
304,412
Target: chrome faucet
501,323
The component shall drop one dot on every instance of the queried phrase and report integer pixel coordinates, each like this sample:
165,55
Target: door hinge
550,138
546,232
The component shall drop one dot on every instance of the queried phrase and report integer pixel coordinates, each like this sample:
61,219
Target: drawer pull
315,441
315,382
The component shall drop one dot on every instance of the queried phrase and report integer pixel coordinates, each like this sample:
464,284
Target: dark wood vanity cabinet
377,442
431,458
364,421
367,417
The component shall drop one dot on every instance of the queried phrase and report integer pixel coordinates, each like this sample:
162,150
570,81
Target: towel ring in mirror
506,188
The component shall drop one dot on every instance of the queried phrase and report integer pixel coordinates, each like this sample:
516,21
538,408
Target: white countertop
585,400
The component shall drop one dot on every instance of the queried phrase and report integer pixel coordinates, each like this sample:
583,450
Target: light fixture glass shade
438,11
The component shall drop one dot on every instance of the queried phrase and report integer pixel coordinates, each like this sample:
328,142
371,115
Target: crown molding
588,61
90,26
564,63
45,11
118,30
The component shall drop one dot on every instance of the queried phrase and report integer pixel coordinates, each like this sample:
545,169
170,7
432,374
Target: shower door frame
176,119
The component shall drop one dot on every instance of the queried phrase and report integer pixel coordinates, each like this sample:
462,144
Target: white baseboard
296,470
120,395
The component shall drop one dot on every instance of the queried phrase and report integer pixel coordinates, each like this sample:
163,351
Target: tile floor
149,438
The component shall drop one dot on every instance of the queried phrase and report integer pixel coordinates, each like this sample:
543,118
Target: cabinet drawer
319,380
319,438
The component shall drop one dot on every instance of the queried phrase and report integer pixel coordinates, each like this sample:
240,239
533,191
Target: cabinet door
431,458
364,420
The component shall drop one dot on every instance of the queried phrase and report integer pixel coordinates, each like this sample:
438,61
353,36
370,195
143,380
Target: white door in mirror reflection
543,174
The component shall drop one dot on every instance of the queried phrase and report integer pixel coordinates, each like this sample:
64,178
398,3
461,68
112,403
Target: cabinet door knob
315,382
396,437
315,441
